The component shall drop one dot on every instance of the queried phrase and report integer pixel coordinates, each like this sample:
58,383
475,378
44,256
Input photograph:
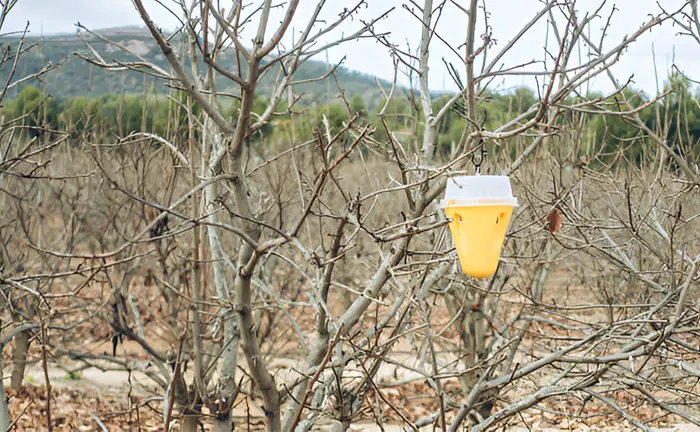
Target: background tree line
677,116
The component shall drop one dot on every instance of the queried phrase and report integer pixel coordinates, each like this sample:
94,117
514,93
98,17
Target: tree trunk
4,409
191,409
20,359
227,364
223,425
189,423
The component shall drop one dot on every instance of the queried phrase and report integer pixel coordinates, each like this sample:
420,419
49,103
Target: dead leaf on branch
554,220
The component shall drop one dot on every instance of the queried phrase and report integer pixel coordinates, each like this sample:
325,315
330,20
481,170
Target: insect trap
480,208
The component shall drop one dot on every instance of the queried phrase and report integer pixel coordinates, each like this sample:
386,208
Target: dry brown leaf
554,220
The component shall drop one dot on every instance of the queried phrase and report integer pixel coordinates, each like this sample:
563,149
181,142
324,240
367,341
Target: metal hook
477,164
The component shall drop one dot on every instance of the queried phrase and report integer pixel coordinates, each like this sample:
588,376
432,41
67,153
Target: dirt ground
106,395
87,399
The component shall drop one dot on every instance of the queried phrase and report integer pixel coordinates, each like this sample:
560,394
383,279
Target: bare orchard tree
492,334
220,183
320,256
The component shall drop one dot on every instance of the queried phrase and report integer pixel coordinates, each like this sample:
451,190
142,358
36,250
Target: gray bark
4,409
20,359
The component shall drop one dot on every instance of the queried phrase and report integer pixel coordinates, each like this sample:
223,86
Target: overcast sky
507,17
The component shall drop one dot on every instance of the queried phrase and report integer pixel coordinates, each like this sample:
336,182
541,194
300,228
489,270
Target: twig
314,378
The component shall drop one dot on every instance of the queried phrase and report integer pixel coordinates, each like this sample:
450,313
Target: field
570,291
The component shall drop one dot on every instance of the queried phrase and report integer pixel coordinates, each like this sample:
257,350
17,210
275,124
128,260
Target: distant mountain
76,77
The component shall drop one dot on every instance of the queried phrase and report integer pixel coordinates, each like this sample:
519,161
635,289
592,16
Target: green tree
396,116
34,110
679,114
80,116
615,133
357,105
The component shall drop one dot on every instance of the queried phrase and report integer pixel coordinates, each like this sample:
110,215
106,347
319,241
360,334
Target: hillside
76,77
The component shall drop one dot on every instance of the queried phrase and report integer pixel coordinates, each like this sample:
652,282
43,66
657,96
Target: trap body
480,209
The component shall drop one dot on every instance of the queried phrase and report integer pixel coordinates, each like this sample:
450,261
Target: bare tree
222,141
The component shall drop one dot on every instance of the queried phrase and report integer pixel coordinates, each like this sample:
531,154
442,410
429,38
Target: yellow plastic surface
478,233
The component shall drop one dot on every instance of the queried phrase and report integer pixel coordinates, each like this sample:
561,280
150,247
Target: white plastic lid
478,190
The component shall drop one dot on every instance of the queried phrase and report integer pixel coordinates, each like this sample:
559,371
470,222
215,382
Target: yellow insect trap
480,208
